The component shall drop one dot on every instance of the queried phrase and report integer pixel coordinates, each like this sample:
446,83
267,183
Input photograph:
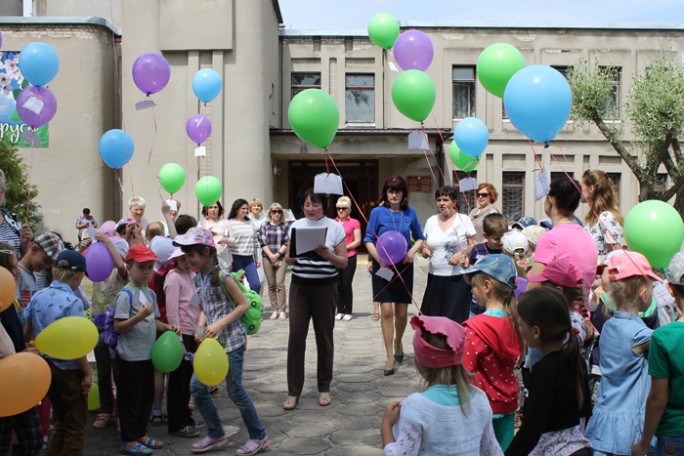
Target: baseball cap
533,233
108,228
123,222
496,265
140,254
675,270
561,271
177,252
76,261
50,242
435,357
524,222
514,240
629,264
163,248
195,236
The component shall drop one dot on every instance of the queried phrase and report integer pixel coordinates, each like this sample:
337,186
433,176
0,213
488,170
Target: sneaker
252,447
149,442
339,316
208,443
188,431
135,449
347,317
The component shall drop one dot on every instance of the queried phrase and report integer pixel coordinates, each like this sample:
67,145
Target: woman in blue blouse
394,214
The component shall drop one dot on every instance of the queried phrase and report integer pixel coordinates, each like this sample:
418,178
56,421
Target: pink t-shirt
569,241
349,226
182,301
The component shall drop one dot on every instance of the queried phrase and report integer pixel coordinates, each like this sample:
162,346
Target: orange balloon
24,381
8,289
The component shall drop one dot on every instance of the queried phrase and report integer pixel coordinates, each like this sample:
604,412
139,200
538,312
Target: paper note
392,67
35,105
30,137
309,238
541,185
145,104
469,183
201,151
328,184
417,140
385,273
173,204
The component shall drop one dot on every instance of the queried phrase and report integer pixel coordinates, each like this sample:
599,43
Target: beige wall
109,10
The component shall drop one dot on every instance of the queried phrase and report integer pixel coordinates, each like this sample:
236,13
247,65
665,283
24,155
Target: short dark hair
86,211
494,225
565,190
205,209
315,198
398,184
184,222
450,192
237,204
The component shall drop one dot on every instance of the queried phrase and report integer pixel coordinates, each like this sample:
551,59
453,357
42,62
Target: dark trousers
135,387
317,302
27,427
70,409
105,367
179,389
345,278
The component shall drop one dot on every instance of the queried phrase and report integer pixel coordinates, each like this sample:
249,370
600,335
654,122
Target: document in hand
305,239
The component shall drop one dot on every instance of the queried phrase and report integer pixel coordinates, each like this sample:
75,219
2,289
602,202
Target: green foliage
592,86
16,183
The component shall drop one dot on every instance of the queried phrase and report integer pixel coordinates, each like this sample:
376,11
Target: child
665,366
71,380
450,416
515,245
40,256
493,228
618,415
557,394
493,344
223,304
134,318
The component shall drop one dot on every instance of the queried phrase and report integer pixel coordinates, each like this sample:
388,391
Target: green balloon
172,177
383,30
314,117
167,352
461,160
496,65
654,229
208,190
93,397
414,94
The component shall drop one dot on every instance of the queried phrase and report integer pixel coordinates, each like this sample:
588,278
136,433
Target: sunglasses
342,208
482,195
276,212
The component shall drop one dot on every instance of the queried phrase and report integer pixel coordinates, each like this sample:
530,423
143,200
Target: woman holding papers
317,249
394,293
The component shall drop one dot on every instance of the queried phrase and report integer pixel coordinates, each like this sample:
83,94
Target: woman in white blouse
245,255
603,221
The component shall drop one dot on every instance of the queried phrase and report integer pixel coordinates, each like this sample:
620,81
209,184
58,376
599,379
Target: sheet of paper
173,204
328,184
35,105
393,67
200,151
385,273
417,141
91,231
308,238
467,184
541,185
145,104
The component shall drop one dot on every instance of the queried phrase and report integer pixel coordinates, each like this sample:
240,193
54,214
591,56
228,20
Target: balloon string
154,140
427,140
28,187
537,158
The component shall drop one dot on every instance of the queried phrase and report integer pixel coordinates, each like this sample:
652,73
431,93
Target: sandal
291,402
324,399
375,317
157,419
102,420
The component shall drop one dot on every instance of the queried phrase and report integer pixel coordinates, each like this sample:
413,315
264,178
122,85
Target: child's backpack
252,318
109,336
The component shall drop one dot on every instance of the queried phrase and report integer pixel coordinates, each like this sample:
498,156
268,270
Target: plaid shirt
217,305
274,236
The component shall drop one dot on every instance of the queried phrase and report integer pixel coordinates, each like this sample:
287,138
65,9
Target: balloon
151,73
461,160
413,50
413,93
538,101
392,247
472,136
172,177
208,190
24,380
99,262
116,148
8,289
36,106
68,338
198,128
496,65
654,229
252,318
383,30
520,287
94,397
38,63
314,116
211,362
206,84
167,352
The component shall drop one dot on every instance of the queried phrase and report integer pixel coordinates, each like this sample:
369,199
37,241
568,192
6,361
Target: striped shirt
245,237
316,268
9,235
274,236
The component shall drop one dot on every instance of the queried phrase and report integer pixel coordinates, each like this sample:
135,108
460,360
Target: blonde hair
278,207
154,229
256,201
62,272
603,198
626,293
503,293
136,201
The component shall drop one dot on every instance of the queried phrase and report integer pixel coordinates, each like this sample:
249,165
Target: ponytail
570,353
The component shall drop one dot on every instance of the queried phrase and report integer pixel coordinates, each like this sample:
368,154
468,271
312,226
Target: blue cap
76,261
524,222
497,266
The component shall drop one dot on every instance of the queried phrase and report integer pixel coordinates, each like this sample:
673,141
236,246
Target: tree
655,107
16,184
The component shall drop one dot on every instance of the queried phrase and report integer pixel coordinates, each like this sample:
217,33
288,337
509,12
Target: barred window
513,195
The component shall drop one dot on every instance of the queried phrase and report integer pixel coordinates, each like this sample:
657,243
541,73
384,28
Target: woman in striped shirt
244,250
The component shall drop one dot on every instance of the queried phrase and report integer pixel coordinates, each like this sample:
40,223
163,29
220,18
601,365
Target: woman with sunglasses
273,238
352,230
486,197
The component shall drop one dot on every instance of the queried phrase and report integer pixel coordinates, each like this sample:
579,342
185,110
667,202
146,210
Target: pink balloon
392,247
413,50
198,128
151,73
99,262
36,106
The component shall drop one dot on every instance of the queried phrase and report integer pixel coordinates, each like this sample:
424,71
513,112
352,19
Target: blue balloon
471,136
538,100
38,63
206,84
116,148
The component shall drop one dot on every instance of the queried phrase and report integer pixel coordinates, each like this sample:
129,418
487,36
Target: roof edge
60,20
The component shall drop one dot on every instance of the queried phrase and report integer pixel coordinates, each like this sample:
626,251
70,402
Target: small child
493,344
134,317
515,245
40,256
665,366
494,226
618,415
450,416
557,393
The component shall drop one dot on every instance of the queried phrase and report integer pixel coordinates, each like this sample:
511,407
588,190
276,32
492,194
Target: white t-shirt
444,244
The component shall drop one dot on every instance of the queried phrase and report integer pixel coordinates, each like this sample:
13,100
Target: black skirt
447,296
395,290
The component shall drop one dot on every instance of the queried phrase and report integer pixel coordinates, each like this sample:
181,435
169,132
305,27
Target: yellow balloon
24,381
68,338
211,362
94,397
8,289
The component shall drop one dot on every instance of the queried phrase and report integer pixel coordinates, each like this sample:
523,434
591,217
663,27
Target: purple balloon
198,128
99,262
520,287
392,247
413,50
151,73
36,106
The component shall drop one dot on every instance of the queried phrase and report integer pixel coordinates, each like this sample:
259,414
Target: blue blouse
382,219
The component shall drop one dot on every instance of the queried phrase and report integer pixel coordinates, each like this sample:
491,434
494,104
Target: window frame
470,83
357,88
506,188
296,88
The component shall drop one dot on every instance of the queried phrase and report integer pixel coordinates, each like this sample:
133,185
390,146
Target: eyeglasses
276,212
342,208
482,195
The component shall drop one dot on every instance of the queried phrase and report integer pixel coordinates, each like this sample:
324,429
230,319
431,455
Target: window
564,70
560,174
616,178
464,91
303,81
513,195
360,98
466,200
612,111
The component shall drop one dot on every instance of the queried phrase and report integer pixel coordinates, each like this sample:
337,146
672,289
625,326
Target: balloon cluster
36,104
